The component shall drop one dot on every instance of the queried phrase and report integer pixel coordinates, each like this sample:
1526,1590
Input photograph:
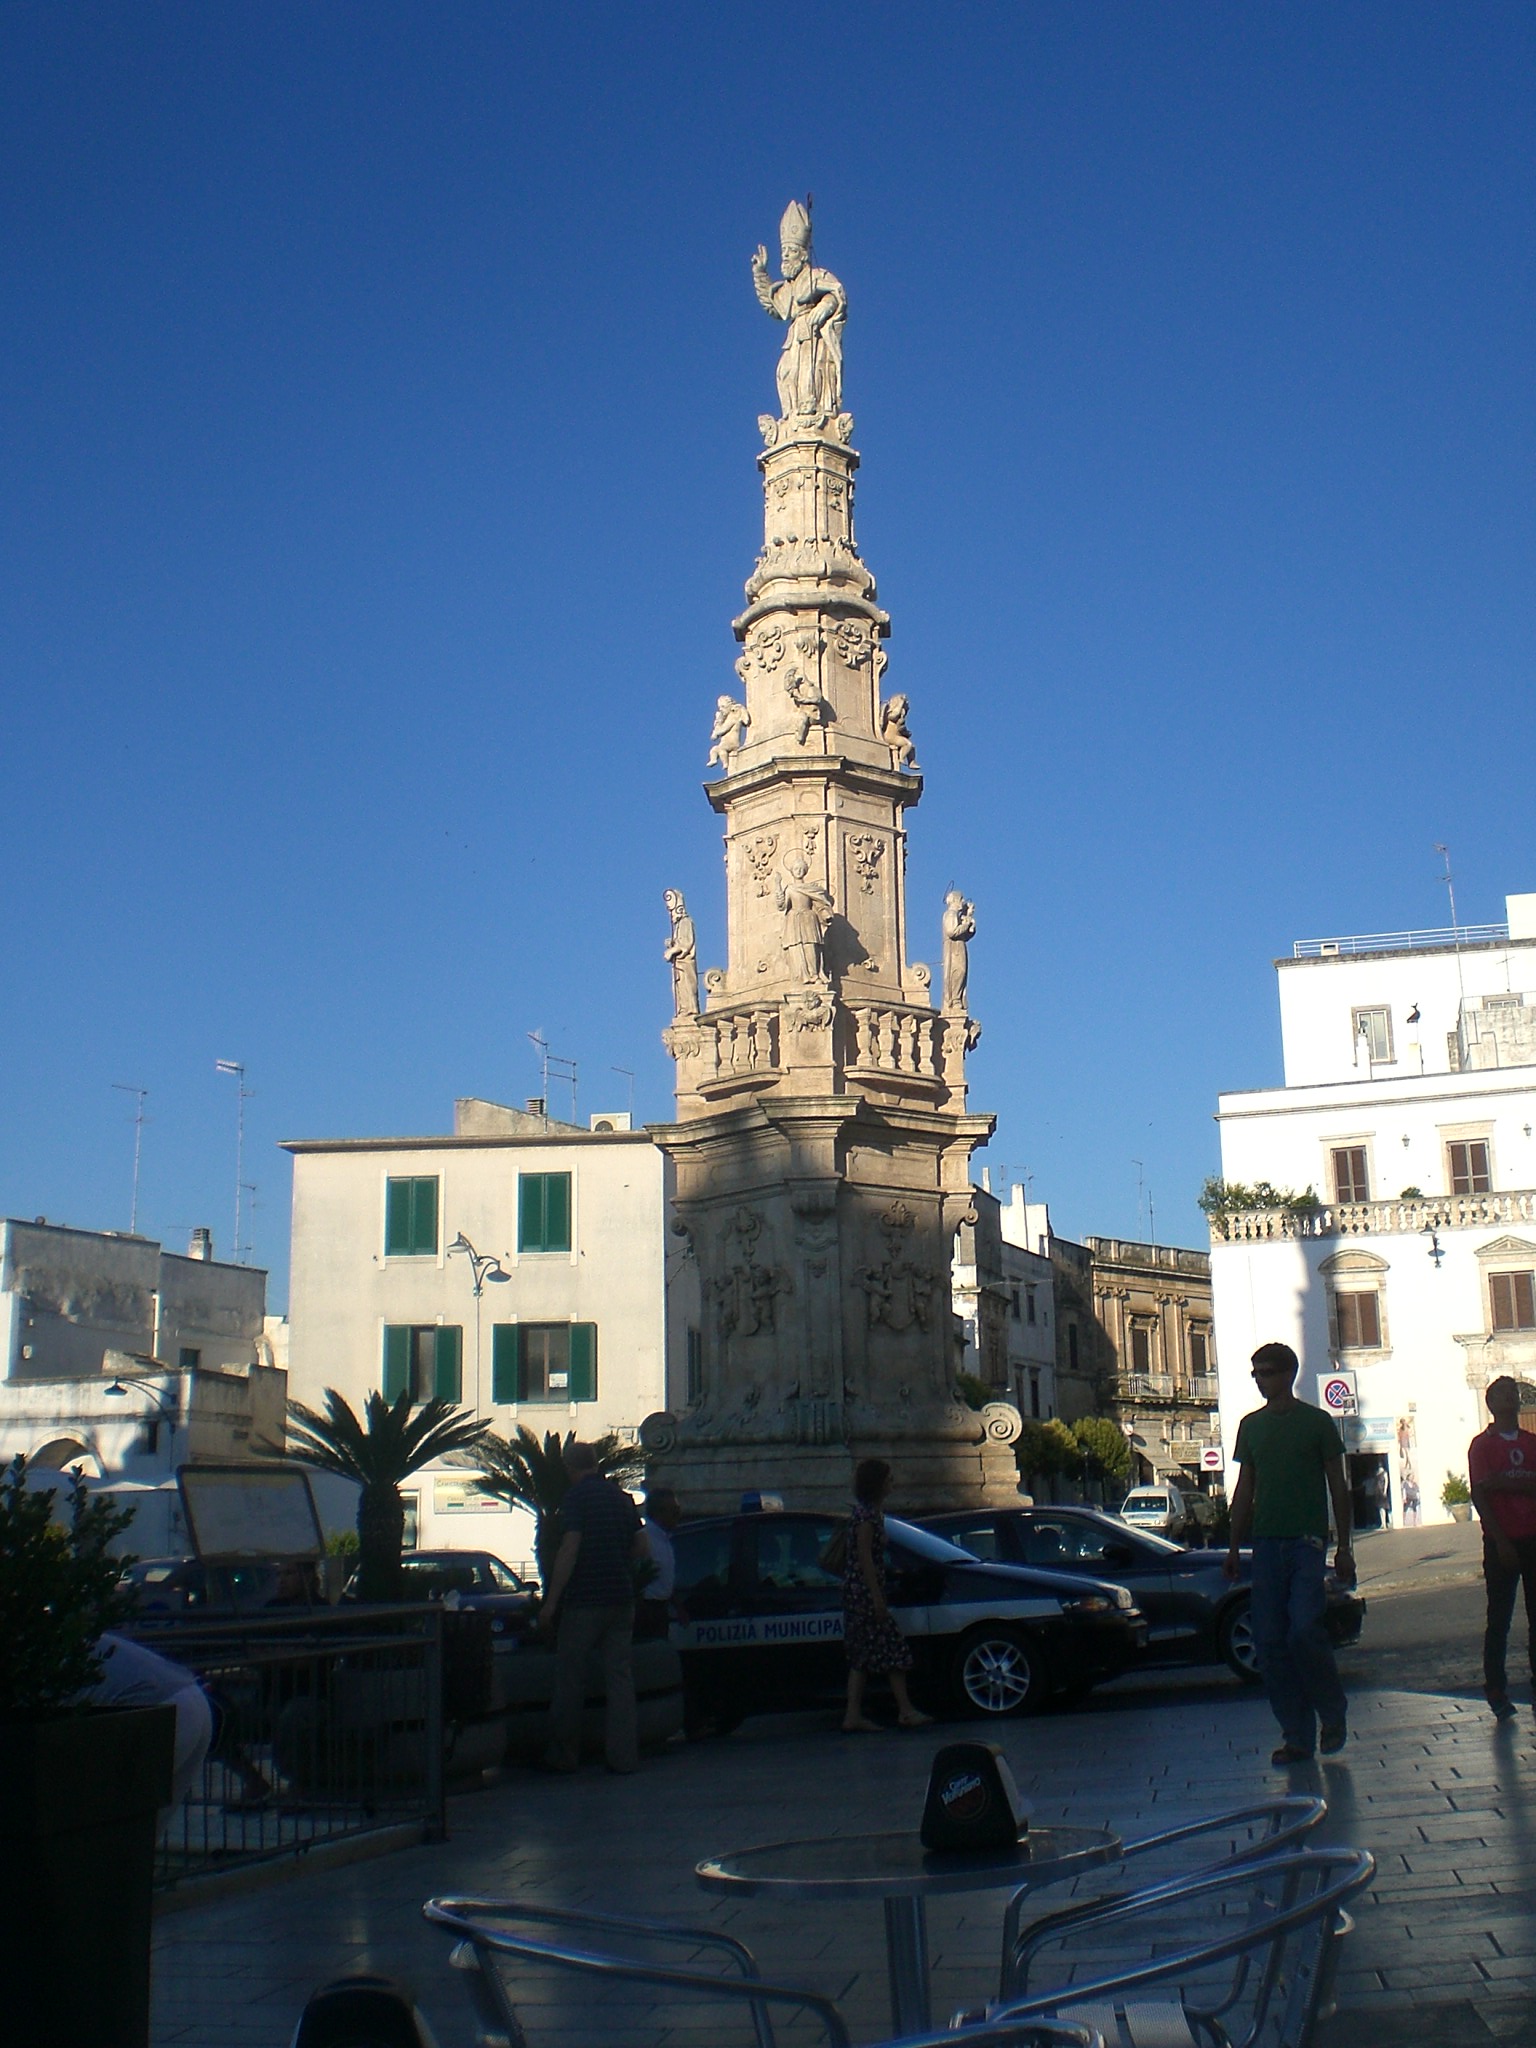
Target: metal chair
1264,1828
487,1942
1262,1984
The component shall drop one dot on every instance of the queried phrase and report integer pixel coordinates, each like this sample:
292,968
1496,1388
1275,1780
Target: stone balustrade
1375,1219
736,1042
896,1041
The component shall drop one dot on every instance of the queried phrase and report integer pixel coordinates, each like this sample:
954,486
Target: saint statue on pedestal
814,305
806,906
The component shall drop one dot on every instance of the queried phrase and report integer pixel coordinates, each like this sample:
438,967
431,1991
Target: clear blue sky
379,387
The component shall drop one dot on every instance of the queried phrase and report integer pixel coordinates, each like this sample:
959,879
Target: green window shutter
448,1352
504,1362
424,1218
557,1212
530,1212
397,1219
397,1355
583,1384
521,1334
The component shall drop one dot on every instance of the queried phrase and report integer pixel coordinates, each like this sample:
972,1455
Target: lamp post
168,1409
483,1266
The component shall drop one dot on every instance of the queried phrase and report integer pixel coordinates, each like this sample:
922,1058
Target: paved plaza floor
1443,1796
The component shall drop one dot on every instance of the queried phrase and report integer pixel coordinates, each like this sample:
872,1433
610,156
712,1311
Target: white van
1161,1509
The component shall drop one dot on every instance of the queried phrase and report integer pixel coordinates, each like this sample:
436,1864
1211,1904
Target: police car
758,1621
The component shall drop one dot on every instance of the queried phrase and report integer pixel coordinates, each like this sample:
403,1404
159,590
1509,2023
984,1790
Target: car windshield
922,1543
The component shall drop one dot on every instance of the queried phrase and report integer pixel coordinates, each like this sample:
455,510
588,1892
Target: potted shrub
1457,1496
80,1786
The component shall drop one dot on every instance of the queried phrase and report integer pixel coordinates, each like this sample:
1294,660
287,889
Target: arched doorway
62,1454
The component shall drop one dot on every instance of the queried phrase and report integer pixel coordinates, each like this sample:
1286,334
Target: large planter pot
79,1799
1461,1511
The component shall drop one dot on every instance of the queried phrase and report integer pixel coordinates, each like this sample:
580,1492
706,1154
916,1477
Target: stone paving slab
1445,1798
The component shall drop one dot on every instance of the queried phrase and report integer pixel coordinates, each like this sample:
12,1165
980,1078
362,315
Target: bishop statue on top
815,307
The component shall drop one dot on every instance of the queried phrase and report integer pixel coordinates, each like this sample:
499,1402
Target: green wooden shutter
397,1219
557,1212
424,1218
530,1212
504,1362
397,1358
583,1382
448,1352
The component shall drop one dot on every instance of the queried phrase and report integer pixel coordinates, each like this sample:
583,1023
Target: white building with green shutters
571,1327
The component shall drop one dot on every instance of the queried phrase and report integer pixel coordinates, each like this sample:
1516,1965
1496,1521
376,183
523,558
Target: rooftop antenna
1140,1194
564,1070
242,1097
139,1120
1450,890
250,1220
629,1077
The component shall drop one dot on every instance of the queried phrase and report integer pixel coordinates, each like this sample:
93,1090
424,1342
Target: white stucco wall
345,1290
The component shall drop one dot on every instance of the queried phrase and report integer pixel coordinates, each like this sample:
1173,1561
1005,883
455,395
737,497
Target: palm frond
386,1443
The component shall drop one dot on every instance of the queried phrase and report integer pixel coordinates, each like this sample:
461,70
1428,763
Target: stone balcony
1376,1219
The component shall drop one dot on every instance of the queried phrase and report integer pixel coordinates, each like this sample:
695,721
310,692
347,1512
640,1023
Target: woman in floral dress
871,1639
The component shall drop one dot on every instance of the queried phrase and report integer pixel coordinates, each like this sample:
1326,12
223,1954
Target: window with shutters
1199,1354
410,1218
1373,1033
1470,1169
1029,1305
550,1362
1513,1300
426,1358
1357,1320
1141,1349
1350,1183
543,1212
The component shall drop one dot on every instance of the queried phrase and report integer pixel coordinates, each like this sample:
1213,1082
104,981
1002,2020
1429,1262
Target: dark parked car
169,1589
472,1580
758,1621
1195,1614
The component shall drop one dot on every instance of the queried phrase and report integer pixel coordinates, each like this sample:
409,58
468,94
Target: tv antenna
553,1063
1450,890
629,1077
242,1097
139,1121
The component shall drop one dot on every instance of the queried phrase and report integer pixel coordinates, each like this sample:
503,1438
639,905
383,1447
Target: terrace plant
60,1590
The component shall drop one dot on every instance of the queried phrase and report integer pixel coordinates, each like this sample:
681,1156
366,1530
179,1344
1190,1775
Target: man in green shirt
1292,1460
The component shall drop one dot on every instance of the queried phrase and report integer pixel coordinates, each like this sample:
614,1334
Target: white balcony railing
1375,1219
1400,942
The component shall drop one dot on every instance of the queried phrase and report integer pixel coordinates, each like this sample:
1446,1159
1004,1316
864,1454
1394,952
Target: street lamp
168,1411
484,1266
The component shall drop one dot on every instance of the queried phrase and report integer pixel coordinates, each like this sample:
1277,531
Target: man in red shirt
1501,1464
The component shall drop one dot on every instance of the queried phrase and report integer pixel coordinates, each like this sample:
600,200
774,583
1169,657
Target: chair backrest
1186,1850
492,1949
1253,1942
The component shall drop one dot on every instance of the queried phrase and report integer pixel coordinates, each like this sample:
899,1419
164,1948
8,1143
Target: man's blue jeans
1290,1639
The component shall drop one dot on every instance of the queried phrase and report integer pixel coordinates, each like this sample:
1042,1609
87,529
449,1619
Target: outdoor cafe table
896,1869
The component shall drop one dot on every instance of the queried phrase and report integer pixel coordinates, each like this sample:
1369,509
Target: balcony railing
1400,942
1375,1219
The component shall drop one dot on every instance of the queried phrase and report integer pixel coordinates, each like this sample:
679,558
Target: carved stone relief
868,851
760,852
745,1293
898,1294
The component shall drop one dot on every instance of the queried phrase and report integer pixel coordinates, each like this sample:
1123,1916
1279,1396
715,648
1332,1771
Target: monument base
931,1476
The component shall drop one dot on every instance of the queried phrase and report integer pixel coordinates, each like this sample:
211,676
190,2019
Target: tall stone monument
822,1141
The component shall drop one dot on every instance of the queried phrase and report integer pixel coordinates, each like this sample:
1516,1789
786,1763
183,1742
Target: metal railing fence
327,1724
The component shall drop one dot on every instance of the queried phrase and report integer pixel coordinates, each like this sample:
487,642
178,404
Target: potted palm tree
531,1474
378,1450
80,1785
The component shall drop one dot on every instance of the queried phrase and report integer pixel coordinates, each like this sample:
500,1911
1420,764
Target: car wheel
998,1672
1235,1642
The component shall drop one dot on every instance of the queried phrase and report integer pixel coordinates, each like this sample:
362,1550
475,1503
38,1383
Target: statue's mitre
795,227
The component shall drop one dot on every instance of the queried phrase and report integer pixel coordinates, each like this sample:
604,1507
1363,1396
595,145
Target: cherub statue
682,951
893,730
814,305
726,732
810,706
